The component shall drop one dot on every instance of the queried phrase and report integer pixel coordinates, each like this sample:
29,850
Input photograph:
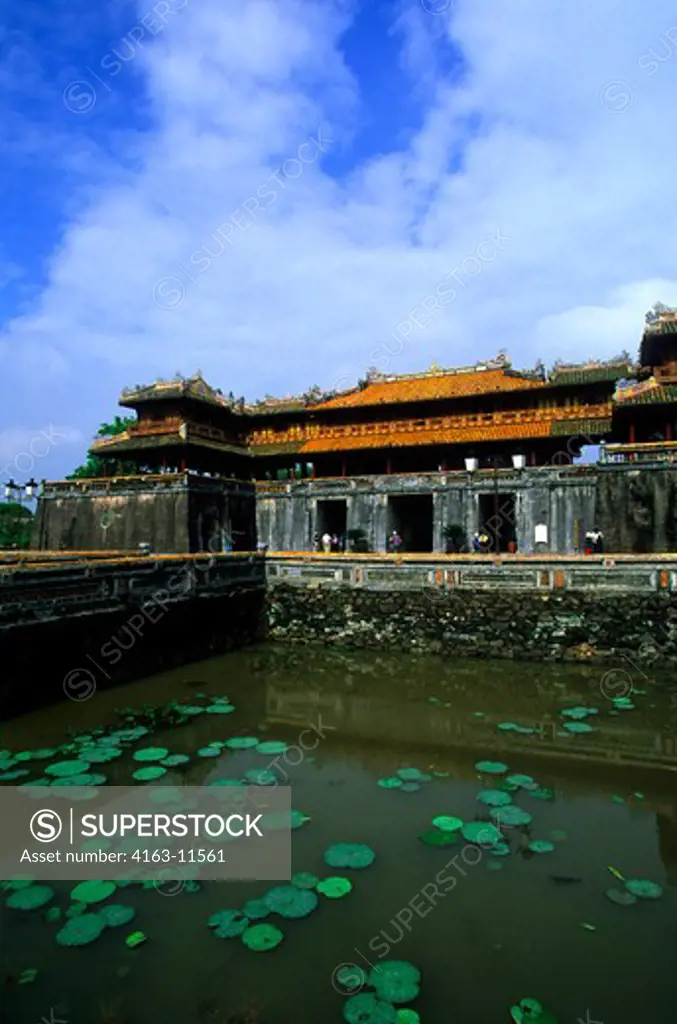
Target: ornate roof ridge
659,316
500,362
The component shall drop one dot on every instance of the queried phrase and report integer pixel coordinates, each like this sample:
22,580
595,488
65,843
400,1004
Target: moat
536,922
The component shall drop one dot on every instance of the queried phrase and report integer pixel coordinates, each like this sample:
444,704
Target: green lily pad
272,747
542,793
76,910
304,880
623,899
93,892
494,797
28,975
262,937
645,890
228,924
220,708
63,769
531,1010
53,915
407,1016
174,760
153,771
261,777
242,742
448,823
481,833
521,781
211,751
135,939
392,782
365,1008
395,981
116,914
435,837
80,931
150,754
506,726
577,727
541,846
500,850
410,787
18,773
349,855
100,755
511,816
491,767
410,774
335,887
31,898
256,910
291,902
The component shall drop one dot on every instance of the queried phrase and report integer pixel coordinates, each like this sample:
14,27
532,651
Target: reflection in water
499,936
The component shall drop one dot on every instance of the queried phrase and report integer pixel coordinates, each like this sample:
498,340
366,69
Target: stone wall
287,513
637,508
640,629
174,513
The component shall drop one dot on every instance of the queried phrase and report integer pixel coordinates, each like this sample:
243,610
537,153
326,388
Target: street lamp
31,487
10,487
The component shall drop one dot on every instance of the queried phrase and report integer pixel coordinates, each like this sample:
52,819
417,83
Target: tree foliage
16,522
97,465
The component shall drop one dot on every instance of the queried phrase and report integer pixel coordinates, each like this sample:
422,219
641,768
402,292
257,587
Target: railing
315,431
650,451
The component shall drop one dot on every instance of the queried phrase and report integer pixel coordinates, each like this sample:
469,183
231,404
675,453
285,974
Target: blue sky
270,190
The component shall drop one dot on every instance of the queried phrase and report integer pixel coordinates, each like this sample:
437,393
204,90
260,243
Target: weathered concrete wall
173,513
585,627
637,508
115,522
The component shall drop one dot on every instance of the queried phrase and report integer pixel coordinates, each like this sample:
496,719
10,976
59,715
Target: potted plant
454,536
357,539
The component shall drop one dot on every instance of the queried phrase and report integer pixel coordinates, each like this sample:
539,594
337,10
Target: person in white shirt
326,543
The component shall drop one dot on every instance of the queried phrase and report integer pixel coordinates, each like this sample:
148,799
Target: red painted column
632,433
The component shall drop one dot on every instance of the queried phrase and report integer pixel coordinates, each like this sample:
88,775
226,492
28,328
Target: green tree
16,522
97,465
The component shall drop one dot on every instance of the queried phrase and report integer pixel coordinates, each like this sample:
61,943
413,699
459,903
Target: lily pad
93,892
80,931
151,754
228,924
365,1008
521,781
153,771
304,880
510,816
174,760
220,708
392,782
541,846
481,833
542,793
335,887
272,747
448,823
31,898
349,855
623,899
100,755
135,939
435,837
644,889
491,767
291,902
410,787
395,981
116,914
63,769
241,742
256,910
506,726
577,727
261,937
494,797
410,774
211,751
261,777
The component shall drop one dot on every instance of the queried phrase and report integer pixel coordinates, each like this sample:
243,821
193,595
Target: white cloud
521,140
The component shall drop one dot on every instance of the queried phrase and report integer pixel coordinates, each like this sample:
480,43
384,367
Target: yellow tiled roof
443,385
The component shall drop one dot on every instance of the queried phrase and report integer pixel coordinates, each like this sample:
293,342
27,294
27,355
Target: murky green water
494,936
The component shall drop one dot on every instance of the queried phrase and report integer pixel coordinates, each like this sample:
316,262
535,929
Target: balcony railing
643,452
